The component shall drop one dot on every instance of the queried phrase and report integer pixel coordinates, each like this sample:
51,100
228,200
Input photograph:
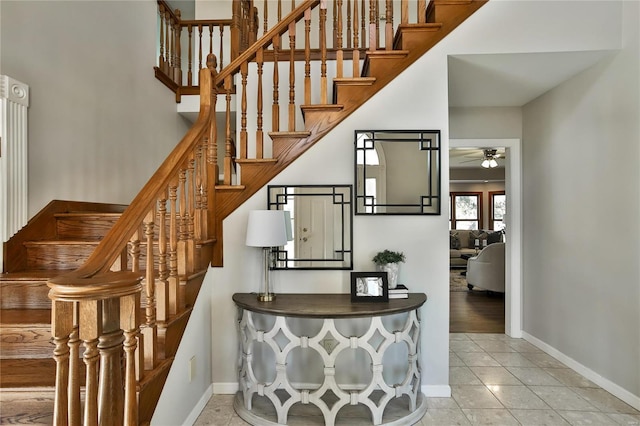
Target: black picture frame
369,287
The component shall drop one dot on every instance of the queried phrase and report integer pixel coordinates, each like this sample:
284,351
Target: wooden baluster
243,111
204,188
111,391
323,52
279,10
190,72
162,286
293,4
307,57
259,131
422,11
75,409
373,44
253,30
149,330
167,44
221,46
174,280
265,12
182,234
228,160
177,77
161,64
388,26
349,23
236,11
190,240
356,50
334,29
197,218
363,27
172,48
404,12
275,112
130,323
376,15
339,53
61,327
210,39
90,327
292,77
200,30
134,252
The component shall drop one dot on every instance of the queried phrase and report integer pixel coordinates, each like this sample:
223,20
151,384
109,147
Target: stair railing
162,238
352,27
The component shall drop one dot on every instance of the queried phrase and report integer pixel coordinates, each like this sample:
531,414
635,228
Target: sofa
486,270
463,242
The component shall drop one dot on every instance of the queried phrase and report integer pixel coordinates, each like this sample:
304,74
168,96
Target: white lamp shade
266,228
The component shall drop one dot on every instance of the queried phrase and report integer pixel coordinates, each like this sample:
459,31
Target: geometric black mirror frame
322,226
397,172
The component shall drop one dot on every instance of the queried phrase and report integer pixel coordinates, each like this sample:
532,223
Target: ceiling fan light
493,163
486,163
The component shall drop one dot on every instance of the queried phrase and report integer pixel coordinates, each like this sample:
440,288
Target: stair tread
255,161
87,213
33,372
300,134
26,317
62,242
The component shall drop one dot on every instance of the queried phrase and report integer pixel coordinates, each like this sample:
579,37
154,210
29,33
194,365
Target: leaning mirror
321,225
397,172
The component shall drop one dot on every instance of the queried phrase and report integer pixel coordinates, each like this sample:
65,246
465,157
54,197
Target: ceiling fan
486,156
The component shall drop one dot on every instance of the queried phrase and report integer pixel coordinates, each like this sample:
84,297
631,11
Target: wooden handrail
99,304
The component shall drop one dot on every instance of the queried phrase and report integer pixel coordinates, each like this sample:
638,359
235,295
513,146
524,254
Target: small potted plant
389,261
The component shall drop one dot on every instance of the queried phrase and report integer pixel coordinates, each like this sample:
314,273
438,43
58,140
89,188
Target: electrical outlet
192,368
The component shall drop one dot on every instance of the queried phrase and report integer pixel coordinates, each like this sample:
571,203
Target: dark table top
326,305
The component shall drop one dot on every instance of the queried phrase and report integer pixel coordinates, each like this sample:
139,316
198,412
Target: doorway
513,248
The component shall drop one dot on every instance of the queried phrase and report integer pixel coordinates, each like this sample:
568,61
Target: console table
375,395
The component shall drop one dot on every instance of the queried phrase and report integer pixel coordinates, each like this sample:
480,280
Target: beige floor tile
568,377
492,416
495,346
533,376
539,418
478,359
441,403
495,376
562,398
543,360
444,416
518,397
584,418
476,337
474,397
458,346
455,360
604,401
511,359
458,336
462,376
521,345
625,419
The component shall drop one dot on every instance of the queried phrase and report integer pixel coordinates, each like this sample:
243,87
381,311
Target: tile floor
497,380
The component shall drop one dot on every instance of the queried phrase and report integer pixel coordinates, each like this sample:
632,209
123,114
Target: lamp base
266,297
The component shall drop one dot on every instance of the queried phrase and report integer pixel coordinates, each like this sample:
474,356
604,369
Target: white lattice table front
328,307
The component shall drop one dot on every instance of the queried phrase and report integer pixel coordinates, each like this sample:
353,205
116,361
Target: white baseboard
436,391
225,388
606,384
193,415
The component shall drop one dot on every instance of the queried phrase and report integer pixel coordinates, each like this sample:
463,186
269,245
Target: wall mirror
397,172
321,224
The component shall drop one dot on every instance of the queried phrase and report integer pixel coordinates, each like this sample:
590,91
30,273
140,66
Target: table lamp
266,229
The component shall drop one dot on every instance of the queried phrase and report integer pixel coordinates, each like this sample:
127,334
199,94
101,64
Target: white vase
392,273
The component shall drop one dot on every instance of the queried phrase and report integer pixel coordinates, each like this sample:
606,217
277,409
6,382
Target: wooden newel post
209,93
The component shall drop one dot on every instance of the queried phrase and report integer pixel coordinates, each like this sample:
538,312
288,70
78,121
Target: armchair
486,270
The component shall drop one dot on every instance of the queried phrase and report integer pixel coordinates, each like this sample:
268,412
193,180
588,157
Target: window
497,209
465,211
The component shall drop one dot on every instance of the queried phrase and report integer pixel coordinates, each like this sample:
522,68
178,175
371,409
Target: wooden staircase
100,260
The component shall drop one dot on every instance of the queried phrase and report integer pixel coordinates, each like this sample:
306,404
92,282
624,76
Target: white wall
485,123
581,145
99,123
514,27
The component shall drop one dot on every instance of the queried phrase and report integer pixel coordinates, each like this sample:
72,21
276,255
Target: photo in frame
369,287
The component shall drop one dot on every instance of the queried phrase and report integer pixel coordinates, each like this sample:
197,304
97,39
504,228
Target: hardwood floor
476,312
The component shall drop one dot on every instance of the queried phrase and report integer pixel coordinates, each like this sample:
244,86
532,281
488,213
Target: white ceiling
512,79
